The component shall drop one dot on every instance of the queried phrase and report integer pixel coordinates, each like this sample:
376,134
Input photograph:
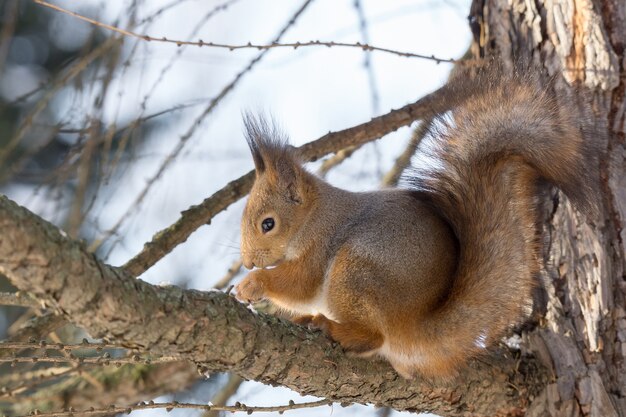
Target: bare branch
367,62
227,391
144,103
81,360
249,45
167,239
42,344
336,159
232,272
198,121
75,69
404,159
216,331
175,404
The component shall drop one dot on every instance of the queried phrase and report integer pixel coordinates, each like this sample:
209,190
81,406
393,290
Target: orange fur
355,337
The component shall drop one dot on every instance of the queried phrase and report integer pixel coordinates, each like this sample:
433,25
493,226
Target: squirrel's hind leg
353,337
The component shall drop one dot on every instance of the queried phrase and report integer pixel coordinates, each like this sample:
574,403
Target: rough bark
582,337
219,333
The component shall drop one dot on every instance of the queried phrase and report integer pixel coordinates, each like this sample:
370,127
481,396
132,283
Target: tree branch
184,139
191,219
113,409
295,45
228,390
216,331
392,177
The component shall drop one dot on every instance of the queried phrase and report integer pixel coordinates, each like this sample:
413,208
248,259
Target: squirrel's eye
267,225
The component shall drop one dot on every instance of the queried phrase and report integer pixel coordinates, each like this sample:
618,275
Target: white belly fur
314,306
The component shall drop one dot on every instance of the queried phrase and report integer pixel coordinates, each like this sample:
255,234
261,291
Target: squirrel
432,273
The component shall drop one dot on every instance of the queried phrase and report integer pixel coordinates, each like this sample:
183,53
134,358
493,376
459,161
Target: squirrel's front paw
250,289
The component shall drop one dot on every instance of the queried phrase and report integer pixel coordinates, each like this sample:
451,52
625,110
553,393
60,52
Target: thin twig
129,126
371,77
80,360
84,173
392,177
230,274
336,159
227,391
150,93
197,122
194,217
55,86
249,45
367,62
59,346
107,169
144,104
175,404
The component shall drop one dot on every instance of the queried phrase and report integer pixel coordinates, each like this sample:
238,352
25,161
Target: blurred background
110,137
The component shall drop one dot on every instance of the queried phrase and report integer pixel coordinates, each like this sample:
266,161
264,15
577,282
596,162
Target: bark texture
582,336
219,333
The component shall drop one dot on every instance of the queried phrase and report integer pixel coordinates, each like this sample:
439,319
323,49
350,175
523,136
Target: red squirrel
429,274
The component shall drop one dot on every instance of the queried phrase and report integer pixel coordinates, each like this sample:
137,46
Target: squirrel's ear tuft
274,157
254,130
267,143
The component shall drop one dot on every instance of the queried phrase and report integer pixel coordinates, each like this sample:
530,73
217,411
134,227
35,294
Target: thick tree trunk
582,340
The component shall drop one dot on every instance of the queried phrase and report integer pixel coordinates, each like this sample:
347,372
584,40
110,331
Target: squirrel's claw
250,289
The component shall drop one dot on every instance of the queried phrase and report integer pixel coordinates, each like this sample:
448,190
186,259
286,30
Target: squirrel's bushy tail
480,166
